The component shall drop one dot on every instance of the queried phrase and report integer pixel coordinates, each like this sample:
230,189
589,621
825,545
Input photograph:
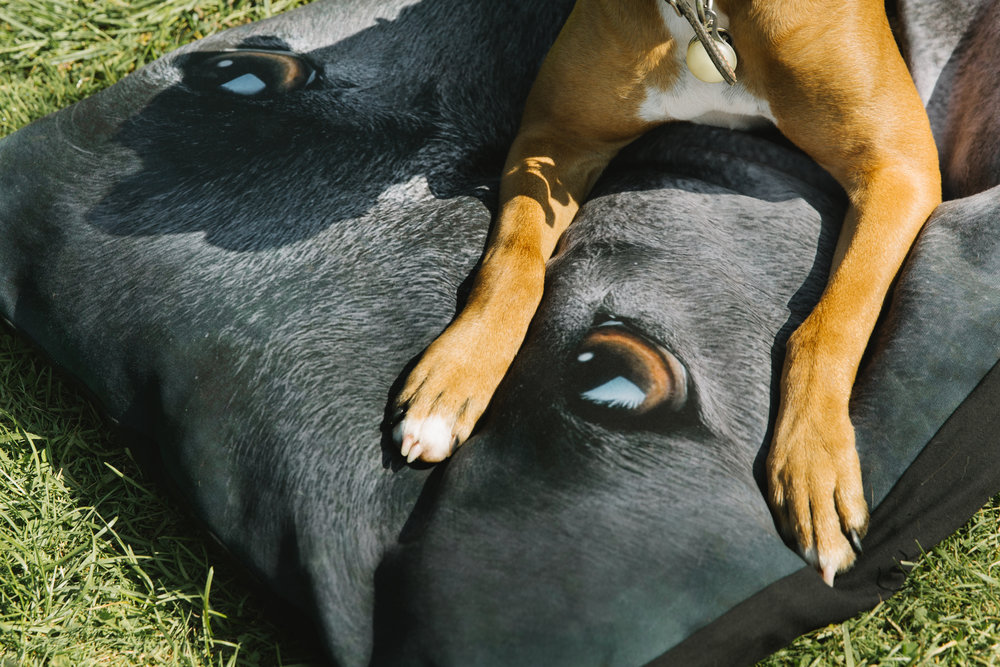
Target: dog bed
240,248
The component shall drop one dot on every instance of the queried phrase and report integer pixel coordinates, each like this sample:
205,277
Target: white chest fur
696,101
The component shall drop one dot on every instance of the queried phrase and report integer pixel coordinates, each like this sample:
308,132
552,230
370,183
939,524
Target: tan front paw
815,490
442,400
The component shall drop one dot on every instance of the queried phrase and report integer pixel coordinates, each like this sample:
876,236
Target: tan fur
838,88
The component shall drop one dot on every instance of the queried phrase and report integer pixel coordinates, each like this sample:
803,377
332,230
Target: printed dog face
663,280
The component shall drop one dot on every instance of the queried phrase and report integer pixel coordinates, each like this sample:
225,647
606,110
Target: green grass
98,568
55,52
948,612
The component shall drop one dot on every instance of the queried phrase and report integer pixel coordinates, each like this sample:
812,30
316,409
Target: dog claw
855,540
409,447
406,442
828,573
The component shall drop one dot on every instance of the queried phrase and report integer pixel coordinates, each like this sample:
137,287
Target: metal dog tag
708,45
700,62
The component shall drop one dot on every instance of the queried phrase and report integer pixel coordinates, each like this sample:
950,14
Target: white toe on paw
434,433
838,560
430,439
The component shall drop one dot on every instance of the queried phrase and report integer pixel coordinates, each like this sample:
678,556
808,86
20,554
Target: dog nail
855,541
828,573
414,453
405,442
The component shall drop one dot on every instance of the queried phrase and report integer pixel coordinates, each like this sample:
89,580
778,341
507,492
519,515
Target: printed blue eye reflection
619,392
247,84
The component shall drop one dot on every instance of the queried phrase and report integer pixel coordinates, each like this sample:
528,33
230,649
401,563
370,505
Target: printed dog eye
248,73
623,374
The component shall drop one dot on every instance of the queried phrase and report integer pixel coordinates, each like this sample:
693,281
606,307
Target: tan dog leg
573,124
457,375
840,90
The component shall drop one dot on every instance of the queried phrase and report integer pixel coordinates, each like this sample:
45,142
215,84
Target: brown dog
829,75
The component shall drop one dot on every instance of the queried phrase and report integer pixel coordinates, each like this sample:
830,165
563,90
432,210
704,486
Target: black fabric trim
951,479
